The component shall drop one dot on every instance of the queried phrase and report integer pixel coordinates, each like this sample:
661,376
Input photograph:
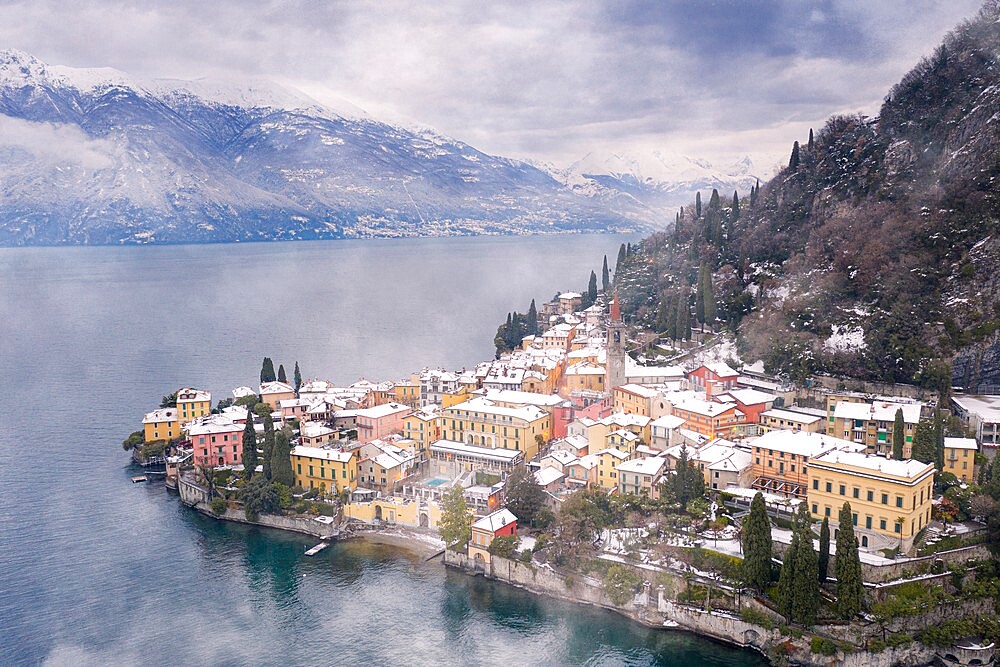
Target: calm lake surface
96,570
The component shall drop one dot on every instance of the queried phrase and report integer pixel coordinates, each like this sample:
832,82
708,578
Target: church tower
614,375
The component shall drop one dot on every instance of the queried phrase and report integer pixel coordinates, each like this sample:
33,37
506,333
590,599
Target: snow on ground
845,339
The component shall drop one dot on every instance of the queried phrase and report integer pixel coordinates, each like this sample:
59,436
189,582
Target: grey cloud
55,144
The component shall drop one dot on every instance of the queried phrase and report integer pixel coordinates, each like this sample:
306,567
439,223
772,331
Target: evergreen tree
249,447
924,447
699,303
525,496
898,434
708,296
688,481
786,578
621,260
281,460
810,138
714,202
805,581
281,374
592,288
267,371
697,205
939,440
297,376
663,316
736,206
683,326
847,567
754,193
793,161
824,550
455,526
532,319
268,452
756,544
605,277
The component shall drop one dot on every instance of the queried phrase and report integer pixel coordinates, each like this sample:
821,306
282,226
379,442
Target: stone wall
882,573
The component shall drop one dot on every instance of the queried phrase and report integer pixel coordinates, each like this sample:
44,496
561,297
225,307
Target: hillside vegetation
875,253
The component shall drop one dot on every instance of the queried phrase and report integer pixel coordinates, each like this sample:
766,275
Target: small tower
614,374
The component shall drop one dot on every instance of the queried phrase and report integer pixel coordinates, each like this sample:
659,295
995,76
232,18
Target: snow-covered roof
878,411
588,462
788,415
751,396
294,403
960,443
910,469
803,443
561,456
720,368
638,390
647,466
548,475
161,415
324,453
454,447
700,406
315,430
668,422
624,434
570,295
528,413
276,388
585,368
611,451
383,410
737,461
986,407
626,419
525,398
634,371
210,427
243,391
495,521
188,394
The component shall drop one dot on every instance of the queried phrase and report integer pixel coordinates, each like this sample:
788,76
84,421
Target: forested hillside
875,253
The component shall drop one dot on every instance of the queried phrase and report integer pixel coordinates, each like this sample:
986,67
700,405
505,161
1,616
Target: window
868,522
871,496
826,510
885,498
899,501
898,527
815,486
881,524
854,518
843,490
829,487
814,509
857,492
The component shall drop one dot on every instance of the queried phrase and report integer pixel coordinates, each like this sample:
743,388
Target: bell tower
614,374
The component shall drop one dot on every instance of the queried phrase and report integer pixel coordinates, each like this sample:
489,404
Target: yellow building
320,468
789,420
483,423
623,440
407,392
396,510
831,405
459,395
273,393
890,499
501,523
585,376
634,399
161,424
192,403
608,461
423,427
960,458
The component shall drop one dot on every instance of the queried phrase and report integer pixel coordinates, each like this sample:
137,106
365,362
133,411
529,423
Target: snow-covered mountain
651,186
96,156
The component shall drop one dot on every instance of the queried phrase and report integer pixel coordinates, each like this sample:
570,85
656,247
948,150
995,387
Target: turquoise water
435,482
99,571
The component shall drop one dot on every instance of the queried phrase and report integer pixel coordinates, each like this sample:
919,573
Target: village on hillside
568,453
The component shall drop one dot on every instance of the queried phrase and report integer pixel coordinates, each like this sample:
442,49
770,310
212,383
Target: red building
713,378
216,443
501,523
750,402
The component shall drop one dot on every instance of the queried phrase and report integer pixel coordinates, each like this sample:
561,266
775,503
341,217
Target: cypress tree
533,318
754,193
939,440
708,296
793,161
249,447
736,205
714,203
757,546
297,376
898,434
267,371
786,579
620,262
281,374
281,461
592,287
686,316
605,276
805,579
699,302
697,205
810,138
268,446
824,549
847,567
924,447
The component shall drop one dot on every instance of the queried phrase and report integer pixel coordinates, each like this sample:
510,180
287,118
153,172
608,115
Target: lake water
96,570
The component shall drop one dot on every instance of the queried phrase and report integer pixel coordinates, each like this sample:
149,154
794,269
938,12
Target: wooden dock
139,478
316,549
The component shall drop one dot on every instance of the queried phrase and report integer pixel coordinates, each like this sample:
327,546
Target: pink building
216,443
381,421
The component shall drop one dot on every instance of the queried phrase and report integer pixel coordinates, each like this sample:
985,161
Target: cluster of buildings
577,410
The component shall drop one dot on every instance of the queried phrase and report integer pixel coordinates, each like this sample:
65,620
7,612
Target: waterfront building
781,459
872,424
192,403
981,415
381,421
382,464
273,393
484,423
890,499
161,424
216,441
326,468
501,523
641,477
960,458
448,456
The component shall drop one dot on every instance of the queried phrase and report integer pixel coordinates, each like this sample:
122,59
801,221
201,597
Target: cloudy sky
549,80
